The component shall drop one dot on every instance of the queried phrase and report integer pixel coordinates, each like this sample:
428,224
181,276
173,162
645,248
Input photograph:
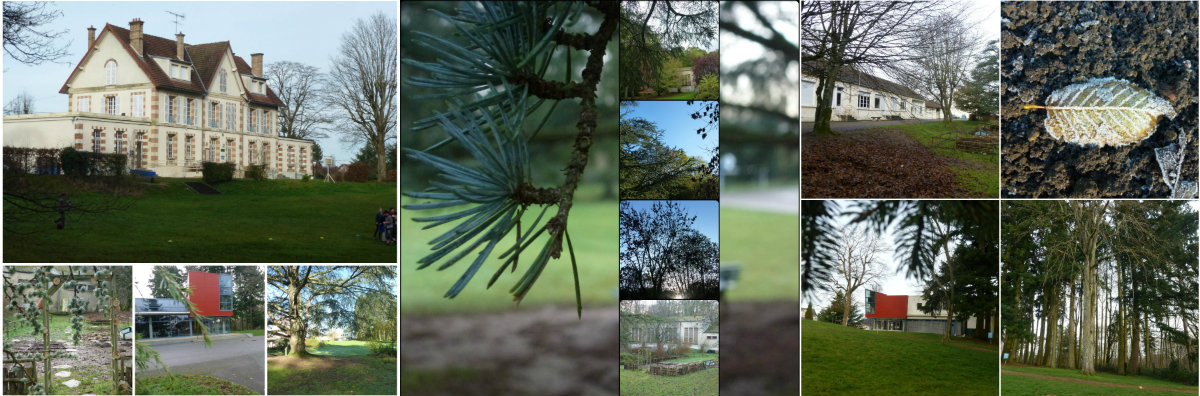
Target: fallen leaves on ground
876,163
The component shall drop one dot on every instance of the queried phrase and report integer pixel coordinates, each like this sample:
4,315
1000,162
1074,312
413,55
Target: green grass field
343,348
1021,385
331,375
640,383
181,384
764,245
267,221
838,360
981,177
253,332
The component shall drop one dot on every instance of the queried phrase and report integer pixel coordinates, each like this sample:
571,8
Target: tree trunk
1135,343
1071,328
846,308
824,113
381,158
298,326
1089,310
1052,337
1122,352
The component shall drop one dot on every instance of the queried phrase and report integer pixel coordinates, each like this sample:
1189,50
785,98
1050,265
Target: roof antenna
177,18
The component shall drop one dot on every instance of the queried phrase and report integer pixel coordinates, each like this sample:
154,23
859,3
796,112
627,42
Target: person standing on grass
394,224
379,216
63,206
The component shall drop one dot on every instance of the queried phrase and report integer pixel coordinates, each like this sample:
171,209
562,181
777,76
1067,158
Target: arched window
222,80
110,72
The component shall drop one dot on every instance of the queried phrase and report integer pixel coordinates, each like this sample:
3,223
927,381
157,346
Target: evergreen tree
833,313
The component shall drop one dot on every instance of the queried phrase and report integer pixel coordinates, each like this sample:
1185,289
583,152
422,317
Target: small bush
709,88
114,164
391,177
217,172
387,348
255,172
305,179
76,163
357,172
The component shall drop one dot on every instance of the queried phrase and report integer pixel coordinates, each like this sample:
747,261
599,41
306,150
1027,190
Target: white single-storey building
694,331
859,96
168,105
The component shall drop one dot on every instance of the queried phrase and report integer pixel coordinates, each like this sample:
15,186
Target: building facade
695,332
212,295
859,96
169,105
905,313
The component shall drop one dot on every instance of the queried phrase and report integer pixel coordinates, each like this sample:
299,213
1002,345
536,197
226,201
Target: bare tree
857,34
944,60
363,85
21,104
25,38
303,115
857,263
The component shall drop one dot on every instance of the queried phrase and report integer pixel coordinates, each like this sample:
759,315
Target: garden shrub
357,172
255,172
708,89
22,160
306,178
113,164
217,172
76,163
387,348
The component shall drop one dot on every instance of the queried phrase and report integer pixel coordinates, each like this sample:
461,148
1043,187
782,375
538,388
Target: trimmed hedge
217,172
256,172
357,172
24,160
77,163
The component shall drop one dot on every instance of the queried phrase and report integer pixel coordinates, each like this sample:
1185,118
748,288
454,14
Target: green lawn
837,360
190,385
60,327
694,357
764,246
343,348
267,221
640,383
1021,385
331,375
982,177
253,332
593,227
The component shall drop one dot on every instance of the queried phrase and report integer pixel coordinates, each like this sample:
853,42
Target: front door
137,155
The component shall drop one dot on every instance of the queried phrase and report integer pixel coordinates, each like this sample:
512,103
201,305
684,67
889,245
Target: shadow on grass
331,375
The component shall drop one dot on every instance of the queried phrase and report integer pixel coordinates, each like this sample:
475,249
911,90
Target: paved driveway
238,359
846,126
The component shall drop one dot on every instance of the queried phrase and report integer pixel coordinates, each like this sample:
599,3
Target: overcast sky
141,280
305,32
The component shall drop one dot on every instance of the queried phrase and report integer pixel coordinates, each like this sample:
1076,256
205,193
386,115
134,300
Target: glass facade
226,292
165,317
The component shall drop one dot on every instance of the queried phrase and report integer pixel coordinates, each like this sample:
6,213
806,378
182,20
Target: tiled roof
933,105
268,99
850,75
204,57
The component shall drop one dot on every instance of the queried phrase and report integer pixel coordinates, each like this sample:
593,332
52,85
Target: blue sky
305,32
679,129
707,216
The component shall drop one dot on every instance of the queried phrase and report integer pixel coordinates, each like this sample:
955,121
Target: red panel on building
206,293
889,307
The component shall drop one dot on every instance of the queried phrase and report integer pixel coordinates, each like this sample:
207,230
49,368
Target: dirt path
1099,383
874,163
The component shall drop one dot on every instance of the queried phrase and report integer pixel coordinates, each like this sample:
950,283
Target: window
230,116
138,107
689,335
263,120
85,104
212,150
808,94
229,150
213,109
837,97
95,140
191,111
171,147
171,110
187,148
226,292
110,72
864,100
712,337
903,104
174,71
222,80
110,104
252,150
253,119
877,102
119,142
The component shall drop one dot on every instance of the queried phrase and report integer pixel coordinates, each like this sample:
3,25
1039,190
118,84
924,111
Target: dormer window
110,72
223,81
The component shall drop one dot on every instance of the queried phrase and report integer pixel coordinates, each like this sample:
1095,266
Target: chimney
179,46
256,64
135,35
91,36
